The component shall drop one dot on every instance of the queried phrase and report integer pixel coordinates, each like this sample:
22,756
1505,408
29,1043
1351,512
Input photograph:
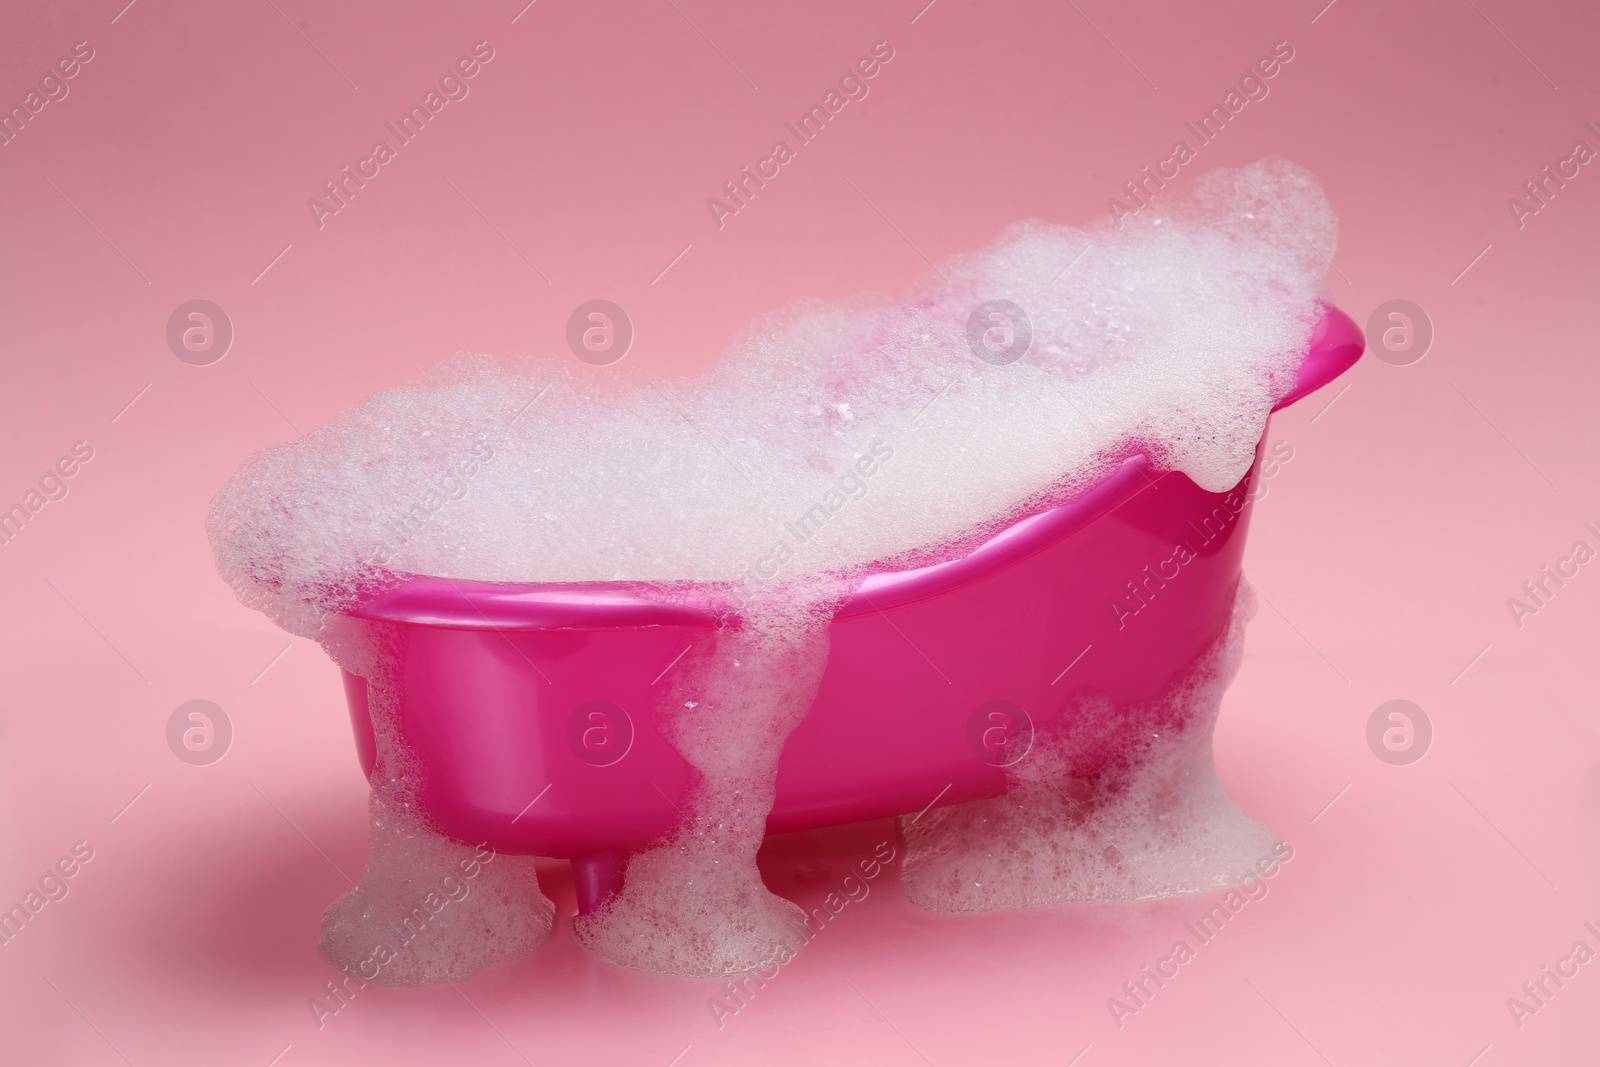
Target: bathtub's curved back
928,701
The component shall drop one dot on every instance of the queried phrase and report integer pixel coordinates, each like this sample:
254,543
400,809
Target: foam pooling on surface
1072,828
695,904
428,909
1171,336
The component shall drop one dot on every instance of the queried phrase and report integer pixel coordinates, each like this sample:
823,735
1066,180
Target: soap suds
694,904
1171,336
1073,827
427,909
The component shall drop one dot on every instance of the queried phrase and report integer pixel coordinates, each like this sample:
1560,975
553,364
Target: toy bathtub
530,708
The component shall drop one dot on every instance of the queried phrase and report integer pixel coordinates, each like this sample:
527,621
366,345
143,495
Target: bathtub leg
597,877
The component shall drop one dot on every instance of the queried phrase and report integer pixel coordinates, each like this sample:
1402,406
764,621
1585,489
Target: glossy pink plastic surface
531,708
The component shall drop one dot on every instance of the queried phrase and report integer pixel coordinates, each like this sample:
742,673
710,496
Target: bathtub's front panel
544,741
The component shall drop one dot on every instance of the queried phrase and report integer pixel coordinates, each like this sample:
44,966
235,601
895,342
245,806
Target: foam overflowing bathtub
971,557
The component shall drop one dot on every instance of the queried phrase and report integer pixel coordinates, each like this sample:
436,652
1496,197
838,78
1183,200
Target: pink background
178,167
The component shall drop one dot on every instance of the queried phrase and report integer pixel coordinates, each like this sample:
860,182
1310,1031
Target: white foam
428,909
1172,335
1155,823
694,904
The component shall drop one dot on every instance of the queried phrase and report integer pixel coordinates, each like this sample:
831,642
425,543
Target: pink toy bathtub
530,708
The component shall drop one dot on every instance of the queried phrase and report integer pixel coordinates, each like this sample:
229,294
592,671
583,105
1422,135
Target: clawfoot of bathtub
597,877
